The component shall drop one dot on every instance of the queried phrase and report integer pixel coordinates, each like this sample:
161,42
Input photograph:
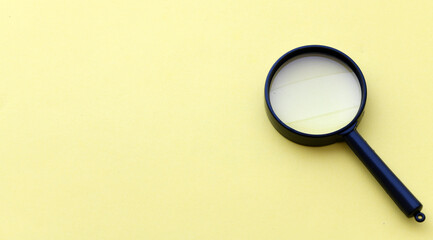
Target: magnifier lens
315,94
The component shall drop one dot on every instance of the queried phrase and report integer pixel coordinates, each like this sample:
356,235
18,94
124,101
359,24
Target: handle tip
419,217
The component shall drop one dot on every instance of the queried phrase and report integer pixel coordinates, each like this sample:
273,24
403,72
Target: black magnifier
315,95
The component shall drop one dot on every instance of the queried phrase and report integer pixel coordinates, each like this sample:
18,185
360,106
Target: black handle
404,199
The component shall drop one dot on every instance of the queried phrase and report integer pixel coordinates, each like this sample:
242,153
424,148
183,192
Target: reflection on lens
315,94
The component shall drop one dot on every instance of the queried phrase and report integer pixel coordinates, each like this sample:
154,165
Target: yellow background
145,120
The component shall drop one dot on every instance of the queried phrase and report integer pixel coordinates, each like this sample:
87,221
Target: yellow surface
145,120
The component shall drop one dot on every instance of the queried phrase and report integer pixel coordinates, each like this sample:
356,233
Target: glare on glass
315,94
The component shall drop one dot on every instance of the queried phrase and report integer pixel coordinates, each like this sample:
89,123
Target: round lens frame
306,138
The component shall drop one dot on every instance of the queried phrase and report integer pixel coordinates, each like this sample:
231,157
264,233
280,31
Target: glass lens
315,94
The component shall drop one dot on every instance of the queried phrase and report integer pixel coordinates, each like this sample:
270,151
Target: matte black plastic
305,138
404,199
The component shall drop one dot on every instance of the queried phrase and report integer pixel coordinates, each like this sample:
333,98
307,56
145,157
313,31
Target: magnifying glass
315,95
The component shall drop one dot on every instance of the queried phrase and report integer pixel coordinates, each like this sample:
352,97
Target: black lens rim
314,139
